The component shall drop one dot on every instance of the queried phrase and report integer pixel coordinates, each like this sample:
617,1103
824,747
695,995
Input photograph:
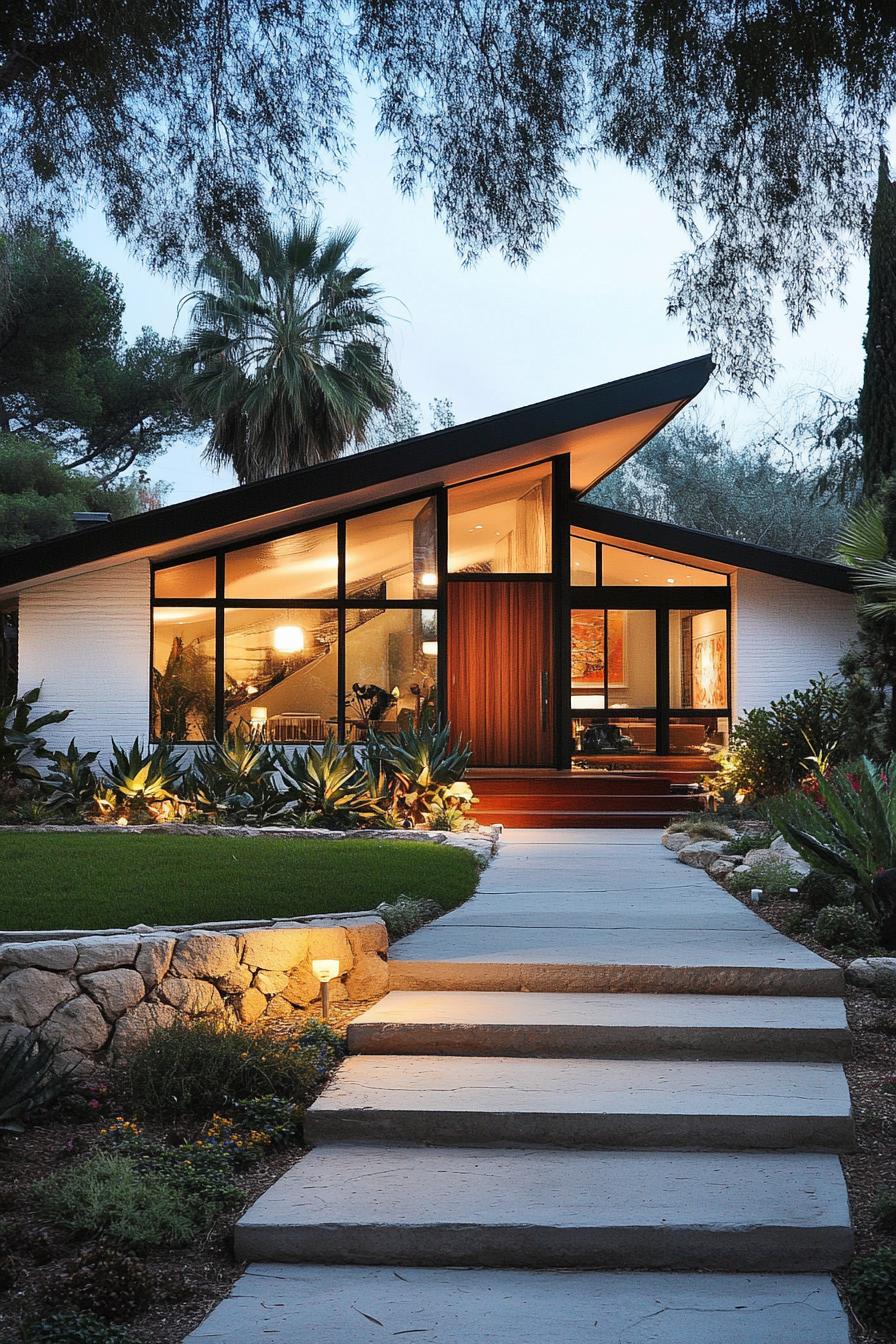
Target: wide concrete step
352,1304
621,1026
544,1208
631,1103
632,960
585,820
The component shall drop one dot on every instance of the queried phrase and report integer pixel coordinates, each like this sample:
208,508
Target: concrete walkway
600,1067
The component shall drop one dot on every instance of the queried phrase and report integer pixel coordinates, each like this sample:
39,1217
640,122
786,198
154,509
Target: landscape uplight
325,970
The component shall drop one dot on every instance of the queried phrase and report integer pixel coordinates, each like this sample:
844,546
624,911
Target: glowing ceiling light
429,580
289,639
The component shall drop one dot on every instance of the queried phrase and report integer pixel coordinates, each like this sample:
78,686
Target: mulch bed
187,1281
872,1167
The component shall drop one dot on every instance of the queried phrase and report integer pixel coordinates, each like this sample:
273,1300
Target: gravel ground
872,1167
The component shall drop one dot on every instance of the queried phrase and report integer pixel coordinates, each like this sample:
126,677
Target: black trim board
329,480
706,546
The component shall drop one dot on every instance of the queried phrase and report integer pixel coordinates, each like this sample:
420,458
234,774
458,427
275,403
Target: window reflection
281,672
502,524
390,669
183,673
391,554
304,564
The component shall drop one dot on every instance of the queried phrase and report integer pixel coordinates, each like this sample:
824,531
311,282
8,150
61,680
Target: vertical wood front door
501,670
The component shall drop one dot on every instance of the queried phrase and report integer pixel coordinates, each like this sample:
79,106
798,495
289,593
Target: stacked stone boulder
96,997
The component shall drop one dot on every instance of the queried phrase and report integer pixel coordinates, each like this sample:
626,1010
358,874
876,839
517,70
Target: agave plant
329,783
144,778
423,766
30,1078
231,776
848,829
70,783
20,736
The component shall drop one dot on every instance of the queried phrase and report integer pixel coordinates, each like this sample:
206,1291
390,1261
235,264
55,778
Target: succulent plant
30,1078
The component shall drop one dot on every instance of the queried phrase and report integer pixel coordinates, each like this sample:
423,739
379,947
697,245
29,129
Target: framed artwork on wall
588,653
710,658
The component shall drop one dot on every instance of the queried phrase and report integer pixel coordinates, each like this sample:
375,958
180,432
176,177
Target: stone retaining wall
96,996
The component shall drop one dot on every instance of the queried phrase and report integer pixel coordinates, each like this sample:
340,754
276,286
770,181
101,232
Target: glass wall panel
698,659
281,671
502,524
183,673
703,735
194,579
305,564
582,561
390,555
613,655
631,567
390,669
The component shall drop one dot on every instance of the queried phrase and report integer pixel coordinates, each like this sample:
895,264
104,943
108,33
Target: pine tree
877,403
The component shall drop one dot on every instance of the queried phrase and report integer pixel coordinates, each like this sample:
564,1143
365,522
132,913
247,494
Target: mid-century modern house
462,570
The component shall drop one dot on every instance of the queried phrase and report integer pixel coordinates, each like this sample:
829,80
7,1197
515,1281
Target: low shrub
199,1068
108,1195
704,828
819,889
744,843
102,1279
75,1327
770,749
845,928
885,1210
403,916
774,877
872,1287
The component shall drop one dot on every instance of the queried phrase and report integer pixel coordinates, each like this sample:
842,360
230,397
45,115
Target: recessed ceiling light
670,580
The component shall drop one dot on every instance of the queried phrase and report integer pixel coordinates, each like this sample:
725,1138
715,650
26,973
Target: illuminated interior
502,524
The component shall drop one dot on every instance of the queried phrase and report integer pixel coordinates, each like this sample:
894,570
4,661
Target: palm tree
286,355
863,546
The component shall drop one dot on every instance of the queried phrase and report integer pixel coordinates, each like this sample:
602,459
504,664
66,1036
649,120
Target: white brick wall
87,639
784,634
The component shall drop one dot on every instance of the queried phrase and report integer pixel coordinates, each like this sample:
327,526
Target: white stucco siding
87,639
783,635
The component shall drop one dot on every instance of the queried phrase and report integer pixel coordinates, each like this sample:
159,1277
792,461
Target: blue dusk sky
589,308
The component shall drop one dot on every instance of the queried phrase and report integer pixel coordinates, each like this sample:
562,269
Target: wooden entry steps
634,795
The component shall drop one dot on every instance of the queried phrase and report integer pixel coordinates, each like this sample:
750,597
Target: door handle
544,702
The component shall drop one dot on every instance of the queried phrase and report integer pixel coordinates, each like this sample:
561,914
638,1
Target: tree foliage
38,496
877,403
759,123
287,353
404,419
694,476
67,377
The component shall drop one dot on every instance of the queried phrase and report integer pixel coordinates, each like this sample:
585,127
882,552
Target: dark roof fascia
426,453
724,550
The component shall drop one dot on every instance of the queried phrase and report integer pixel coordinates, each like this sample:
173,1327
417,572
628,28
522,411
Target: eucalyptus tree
287,354
758,121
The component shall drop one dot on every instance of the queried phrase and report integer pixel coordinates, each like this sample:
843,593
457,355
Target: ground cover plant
77,880
118,1203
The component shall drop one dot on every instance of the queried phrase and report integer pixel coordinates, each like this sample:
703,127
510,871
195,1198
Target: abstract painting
587,629
710,659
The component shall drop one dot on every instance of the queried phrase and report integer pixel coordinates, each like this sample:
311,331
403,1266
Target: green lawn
100,881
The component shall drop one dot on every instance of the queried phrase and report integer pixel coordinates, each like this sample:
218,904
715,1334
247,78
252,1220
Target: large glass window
305,564
698,659
613,684
592,562
281,671
194,579
501,524
390,555
390,668
183,673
